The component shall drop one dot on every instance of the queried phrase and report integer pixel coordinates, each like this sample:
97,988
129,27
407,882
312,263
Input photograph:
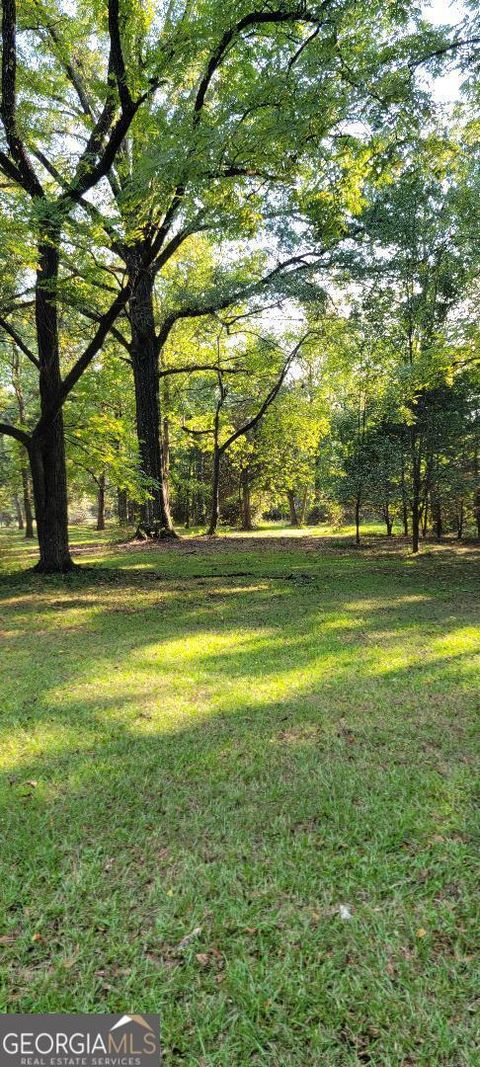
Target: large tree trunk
101,503
27,503
47,459
47,445
155,512
292,508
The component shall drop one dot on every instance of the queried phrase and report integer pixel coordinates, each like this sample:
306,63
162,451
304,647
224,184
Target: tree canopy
239,266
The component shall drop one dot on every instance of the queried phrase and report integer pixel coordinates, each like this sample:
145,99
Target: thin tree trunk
425,518
200,509
215,511
18,509
187,492
357,520
292,508
101,502
165,444
217,452
476,502
416,490
404,498
122,506
460,520
437,517
18,390
388,519
247,523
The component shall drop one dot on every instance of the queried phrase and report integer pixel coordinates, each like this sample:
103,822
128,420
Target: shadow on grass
243,755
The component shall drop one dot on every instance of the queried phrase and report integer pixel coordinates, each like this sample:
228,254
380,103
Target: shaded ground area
243,738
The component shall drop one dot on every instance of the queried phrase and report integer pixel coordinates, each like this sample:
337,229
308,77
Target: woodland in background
239,268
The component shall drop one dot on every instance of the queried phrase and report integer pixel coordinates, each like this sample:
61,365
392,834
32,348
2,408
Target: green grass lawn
238,737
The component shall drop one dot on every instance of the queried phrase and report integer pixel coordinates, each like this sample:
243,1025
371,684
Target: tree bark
47,444
101,503
144,353
292,508
47,460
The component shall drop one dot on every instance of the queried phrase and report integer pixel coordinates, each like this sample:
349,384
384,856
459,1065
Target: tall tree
53,198
234,144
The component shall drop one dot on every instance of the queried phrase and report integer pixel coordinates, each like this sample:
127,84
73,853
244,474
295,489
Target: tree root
154,532
67,567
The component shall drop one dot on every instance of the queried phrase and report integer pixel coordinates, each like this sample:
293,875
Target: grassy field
238,784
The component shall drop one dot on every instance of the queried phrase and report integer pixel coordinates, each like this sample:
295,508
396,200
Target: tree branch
193,367
19,341
104,326
117,56
253,18
268,399
8,106
14,431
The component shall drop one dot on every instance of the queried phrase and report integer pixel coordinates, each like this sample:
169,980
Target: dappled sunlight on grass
239,739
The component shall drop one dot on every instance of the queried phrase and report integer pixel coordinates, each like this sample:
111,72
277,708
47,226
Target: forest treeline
239,267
